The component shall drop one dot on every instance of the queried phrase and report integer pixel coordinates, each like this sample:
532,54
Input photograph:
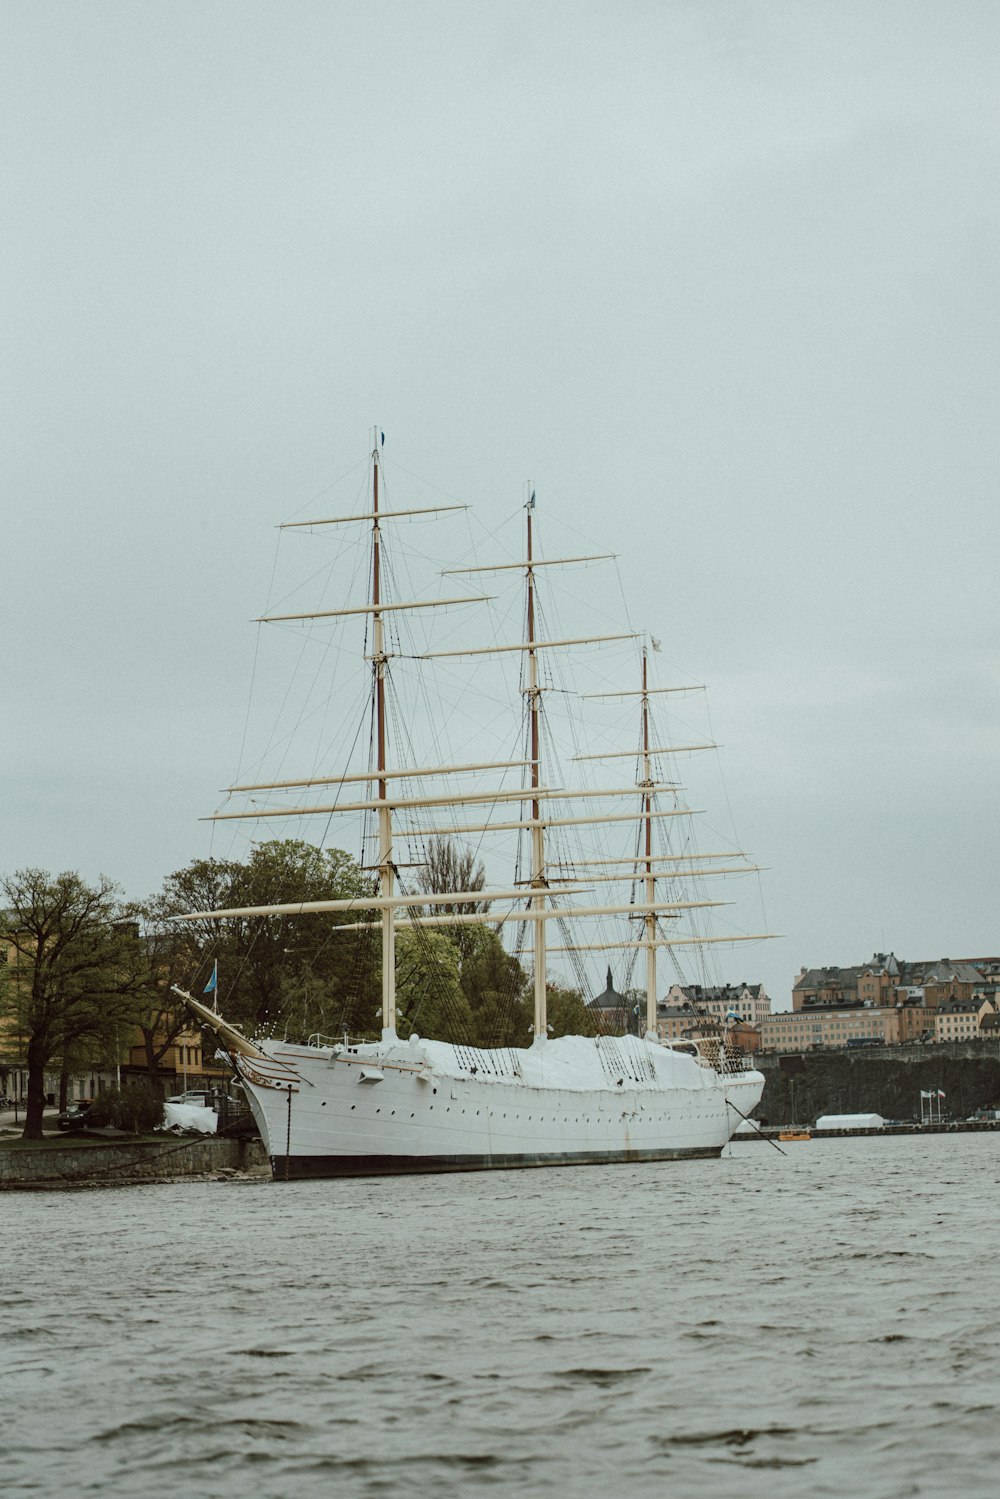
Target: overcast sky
721,279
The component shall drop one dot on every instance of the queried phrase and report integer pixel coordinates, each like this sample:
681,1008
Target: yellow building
961,1019
182,1065
802,1030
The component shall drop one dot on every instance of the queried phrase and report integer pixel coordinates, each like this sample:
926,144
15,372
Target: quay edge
121,1161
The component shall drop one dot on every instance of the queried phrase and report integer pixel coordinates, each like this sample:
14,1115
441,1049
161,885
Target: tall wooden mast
537,830
386,872
649,921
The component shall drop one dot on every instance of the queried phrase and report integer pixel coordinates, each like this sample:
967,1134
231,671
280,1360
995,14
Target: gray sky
722,279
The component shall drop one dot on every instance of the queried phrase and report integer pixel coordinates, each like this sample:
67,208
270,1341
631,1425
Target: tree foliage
289,972
165,948
496,987
71,974
449,867
135,1107
569,1014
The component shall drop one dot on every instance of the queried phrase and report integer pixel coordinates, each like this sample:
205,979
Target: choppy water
824,1324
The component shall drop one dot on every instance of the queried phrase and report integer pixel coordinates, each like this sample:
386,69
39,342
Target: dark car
75,1116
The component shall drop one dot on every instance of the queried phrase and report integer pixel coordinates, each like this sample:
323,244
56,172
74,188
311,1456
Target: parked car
199,1098
74,1117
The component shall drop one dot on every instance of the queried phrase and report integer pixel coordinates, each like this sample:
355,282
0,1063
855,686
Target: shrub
134,1107
99,1113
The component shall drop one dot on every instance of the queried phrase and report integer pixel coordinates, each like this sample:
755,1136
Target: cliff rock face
883,1080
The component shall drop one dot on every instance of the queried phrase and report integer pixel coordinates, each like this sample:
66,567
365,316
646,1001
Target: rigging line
575,958
253,678
631,958
289,734
362,463
321,841
431,954
560,588
509,991
395,464
494,535
725,793
307,711
353,990
624,596
344,548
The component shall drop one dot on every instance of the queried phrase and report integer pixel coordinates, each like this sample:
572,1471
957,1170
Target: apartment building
887,980
802,1030
961,1019
747,1001
890,1000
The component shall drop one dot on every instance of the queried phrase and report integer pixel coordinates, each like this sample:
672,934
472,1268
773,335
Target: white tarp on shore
190,1116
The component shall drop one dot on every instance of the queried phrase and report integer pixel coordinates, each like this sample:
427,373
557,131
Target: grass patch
81,1139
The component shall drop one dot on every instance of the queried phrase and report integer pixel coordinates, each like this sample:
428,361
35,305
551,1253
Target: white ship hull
392,1108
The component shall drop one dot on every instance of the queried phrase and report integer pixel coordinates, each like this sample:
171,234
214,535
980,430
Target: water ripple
820,1323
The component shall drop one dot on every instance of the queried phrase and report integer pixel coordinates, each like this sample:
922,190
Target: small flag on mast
656,644
531,502
213,982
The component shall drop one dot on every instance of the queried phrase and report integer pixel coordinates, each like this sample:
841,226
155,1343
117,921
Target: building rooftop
610,999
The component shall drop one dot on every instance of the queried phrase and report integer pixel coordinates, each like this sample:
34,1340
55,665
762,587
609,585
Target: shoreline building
722,1001
700,1012
888,1001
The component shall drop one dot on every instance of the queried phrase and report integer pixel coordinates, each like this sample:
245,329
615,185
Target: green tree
279,972
72,978
165,948
569,1015
492,982
429,997
496,987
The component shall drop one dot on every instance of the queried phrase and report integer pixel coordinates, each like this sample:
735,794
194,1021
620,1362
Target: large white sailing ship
405,1103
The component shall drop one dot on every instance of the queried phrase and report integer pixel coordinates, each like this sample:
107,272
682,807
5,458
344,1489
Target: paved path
9,1122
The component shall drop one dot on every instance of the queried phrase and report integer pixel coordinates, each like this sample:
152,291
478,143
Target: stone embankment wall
886,1080
116,1161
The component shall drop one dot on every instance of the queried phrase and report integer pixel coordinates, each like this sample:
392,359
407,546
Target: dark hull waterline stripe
300,1167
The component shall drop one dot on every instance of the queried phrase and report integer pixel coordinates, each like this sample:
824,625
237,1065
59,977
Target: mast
537,831
649,921
386,872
